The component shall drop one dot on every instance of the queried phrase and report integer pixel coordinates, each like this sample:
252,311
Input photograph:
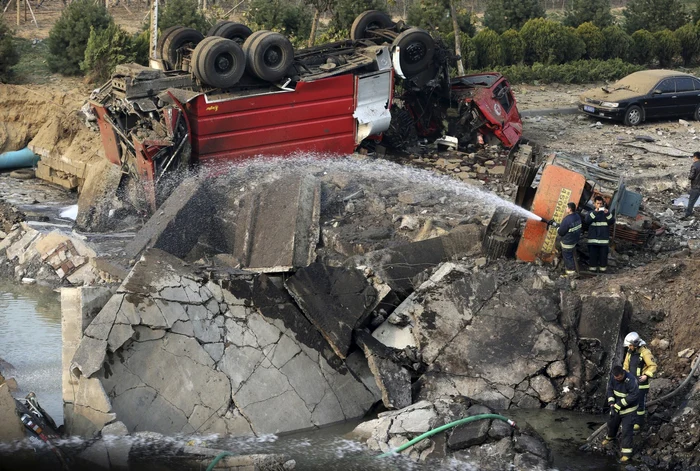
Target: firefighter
570,233
639,362
623,396
599,221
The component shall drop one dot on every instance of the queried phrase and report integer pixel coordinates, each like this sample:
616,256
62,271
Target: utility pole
154,35
458,40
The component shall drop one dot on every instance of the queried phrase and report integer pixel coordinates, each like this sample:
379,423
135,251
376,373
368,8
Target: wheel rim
273,56
635,116
223,63
415,52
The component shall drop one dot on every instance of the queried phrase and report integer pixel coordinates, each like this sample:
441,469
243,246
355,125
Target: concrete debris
687,353
393,381
10,426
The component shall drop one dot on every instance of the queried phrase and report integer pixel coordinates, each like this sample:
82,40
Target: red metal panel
558,186
271,116
339,144
107,134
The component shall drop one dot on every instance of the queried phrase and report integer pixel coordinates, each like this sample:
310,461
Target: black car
645,94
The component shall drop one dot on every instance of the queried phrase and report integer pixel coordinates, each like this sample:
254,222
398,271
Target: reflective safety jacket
599,227
570,231
640,362
625,393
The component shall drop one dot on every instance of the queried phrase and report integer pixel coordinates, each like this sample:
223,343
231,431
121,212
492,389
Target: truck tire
268,55
179,38
220,62
230,30
198,57
402,132
417,48
161,40
367,21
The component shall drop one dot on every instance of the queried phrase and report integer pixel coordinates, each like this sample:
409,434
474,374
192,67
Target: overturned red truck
237,94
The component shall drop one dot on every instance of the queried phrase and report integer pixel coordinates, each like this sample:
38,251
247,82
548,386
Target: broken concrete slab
335,300
178,223
11,428
393,381
470,434
278,228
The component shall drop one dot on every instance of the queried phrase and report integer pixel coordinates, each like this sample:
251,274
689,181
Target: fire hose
589,441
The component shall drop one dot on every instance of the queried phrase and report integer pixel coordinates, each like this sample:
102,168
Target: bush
469,58
550,42
8,52
654,15
501,15
593,11
182,13
106,49
689,42
643,47
434,17
617,43
345,12
278,15
513,47
582,71
593,38
69,36
489,51
667,47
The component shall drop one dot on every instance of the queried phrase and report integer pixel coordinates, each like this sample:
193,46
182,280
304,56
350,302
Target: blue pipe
18,159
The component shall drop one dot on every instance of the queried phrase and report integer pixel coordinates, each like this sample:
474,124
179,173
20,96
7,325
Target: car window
684,84
503,95
666,86
697,84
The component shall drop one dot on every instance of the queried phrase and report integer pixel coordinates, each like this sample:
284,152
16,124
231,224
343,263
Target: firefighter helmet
634,339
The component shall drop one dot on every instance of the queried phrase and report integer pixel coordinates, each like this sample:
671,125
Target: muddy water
30,340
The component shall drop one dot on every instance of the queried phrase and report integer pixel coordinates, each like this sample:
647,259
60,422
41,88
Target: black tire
178,39
268,55
417,48
402,133
233,31
367,21
697,113
634,116
194,63
219,62
161,40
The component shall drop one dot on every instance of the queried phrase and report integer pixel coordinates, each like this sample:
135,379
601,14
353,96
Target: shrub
434,16
582,71
617,43
654,15
501,15
643,47
182,13
489,51
69,36
689,42
667,47
513,47
593,38
696,12
8,52
469,58
550,42
345,12
593,11
278,15
106,49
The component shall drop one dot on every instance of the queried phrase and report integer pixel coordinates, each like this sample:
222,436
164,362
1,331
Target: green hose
456,423
218,458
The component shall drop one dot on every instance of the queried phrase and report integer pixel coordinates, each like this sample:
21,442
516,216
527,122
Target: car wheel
219,62
367,21
416,48
697,113
268,55
634,116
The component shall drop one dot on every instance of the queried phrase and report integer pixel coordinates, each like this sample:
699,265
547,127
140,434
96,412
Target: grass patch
32,67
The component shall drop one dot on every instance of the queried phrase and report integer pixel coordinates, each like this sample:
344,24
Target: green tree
513,47
489,52
69,36
182,13
617,43
654,15
593,11
550,42
696,12
434,16
593,37
688,38
106,49
667,47
345,12
280,15
501,15
8,52
643,48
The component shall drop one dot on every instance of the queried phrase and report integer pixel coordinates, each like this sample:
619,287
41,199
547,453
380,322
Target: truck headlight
609,104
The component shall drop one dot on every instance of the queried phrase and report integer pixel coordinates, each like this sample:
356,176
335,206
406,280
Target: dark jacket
624,394
599,227
694,176
570,231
